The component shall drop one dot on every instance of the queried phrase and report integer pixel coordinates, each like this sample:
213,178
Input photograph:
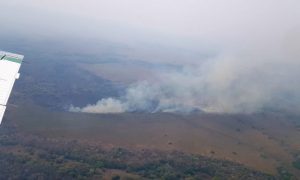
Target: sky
219,21
255,47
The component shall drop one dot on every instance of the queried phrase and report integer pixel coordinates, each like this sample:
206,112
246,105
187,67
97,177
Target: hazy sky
210,20
256,44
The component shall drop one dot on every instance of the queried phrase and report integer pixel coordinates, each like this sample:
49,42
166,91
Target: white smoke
231,83
108,105
257,66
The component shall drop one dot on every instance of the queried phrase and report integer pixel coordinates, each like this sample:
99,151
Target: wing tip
13,55
2,111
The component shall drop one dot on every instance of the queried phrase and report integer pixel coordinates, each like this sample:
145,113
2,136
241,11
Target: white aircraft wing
9,71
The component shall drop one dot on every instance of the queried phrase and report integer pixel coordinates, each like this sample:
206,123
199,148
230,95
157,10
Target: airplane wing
9,71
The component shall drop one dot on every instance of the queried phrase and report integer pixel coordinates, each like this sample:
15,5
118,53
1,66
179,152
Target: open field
241,144
263,142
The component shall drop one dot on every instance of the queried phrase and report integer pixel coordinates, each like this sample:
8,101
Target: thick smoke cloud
236,82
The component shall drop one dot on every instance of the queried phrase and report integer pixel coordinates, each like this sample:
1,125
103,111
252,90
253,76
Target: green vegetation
264,156
296,164
284,174
117,177
43,84
33,157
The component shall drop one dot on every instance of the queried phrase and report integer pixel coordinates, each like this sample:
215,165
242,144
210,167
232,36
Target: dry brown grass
262,142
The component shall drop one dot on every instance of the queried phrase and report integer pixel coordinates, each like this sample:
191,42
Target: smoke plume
239,82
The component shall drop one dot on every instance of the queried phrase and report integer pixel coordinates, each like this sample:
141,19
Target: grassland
50,154
267,142
37,135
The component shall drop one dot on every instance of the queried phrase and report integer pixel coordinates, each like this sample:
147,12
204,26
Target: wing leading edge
9,71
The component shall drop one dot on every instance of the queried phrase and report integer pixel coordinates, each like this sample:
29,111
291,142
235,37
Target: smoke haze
253,49
243,80
226,83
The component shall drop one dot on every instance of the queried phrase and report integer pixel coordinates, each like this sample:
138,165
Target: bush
296,164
